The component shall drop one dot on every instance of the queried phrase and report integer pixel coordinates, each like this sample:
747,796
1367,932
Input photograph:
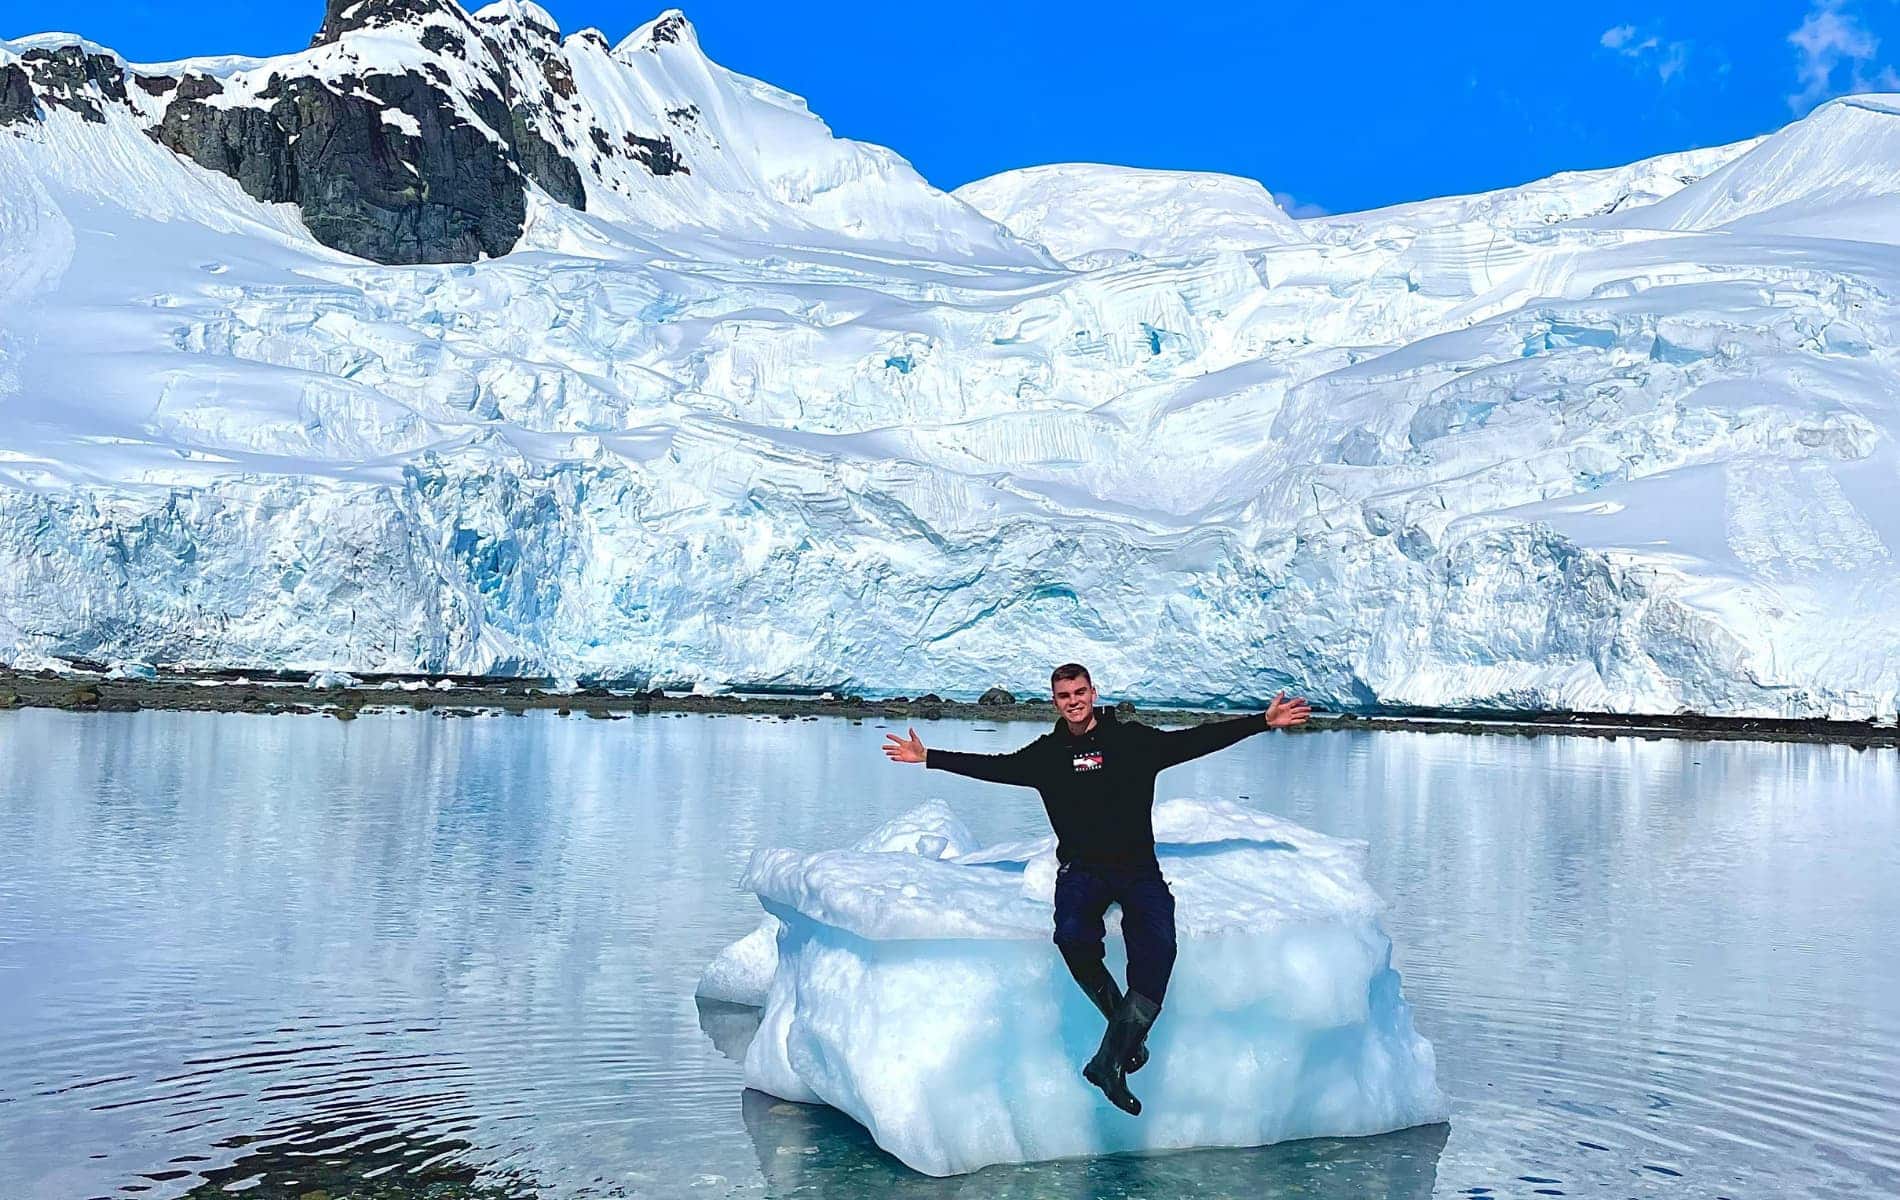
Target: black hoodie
1099,787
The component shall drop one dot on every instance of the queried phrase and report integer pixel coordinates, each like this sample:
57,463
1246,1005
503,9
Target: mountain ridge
414,131
790,417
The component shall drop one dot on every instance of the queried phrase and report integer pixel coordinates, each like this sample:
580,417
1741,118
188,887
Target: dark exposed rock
1125,710
657,155
595,36
345,16
930,698
438,40
495,54
197,87
16,96
449,195
995,697
559,76
244,143
334,157
683,116
601,141
668,30
545,164
73,79
502,17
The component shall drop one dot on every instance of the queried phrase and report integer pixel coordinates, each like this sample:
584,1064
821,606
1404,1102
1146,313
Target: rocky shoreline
468,696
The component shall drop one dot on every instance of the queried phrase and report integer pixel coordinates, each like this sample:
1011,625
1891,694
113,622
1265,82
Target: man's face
1075,698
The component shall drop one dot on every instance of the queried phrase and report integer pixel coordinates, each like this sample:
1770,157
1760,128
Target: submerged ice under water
410,956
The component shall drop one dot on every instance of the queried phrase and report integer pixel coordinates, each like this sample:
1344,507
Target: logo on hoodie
1087,760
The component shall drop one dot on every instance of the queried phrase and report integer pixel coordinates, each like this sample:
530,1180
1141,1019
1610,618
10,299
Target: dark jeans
1083,894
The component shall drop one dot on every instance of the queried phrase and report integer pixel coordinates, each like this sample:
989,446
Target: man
1097,780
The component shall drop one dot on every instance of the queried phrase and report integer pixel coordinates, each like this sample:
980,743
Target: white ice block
924,997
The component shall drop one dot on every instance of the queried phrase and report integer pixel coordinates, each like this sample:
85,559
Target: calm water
416,956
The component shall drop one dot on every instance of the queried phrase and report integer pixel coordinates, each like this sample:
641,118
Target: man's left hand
1284,713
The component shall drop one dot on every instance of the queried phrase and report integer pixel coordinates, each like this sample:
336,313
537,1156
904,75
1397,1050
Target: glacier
762,407
923,997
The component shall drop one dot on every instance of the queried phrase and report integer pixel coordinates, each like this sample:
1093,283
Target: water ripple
397,959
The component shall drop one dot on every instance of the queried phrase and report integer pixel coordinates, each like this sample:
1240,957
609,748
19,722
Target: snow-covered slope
1836,174
792,416
1568,196
413,131
1088,214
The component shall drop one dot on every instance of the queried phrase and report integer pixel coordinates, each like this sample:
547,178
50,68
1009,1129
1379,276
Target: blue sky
1341,106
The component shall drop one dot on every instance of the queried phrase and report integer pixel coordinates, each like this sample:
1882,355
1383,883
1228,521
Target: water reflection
730,1027
448,954
810,1150
361,1155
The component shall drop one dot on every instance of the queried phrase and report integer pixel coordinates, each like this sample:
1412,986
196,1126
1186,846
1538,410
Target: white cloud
1617,37
1672,60
1298,209
1830,39
1666,58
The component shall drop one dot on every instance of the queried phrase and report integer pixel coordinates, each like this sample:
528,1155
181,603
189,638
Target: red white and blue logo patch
1088,760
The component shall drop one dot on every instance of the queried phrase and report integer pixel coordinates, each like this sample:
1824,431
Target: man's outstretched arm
1179,745
1017,767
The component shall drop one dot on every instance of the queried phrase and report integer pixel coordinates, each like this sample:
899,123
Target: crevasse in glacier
924,997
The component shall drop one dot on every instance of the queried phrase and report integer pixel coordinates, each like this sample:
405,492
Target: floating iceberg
922,996
742,972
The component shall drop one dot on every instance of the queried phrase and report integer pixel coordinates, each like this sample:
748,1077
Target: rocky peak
670,28
521,14
414,131
65,72
348,16
399,155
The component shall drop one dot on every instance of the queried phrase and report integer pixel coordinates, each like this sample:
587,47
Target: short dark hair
1069,671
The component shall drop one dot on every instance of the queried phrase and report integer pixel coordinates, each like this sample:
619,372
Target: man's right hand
903,750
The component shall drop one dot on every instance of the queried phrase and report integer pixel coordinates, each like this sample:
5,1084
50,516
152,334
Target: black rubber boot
1092,976
1126,1030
